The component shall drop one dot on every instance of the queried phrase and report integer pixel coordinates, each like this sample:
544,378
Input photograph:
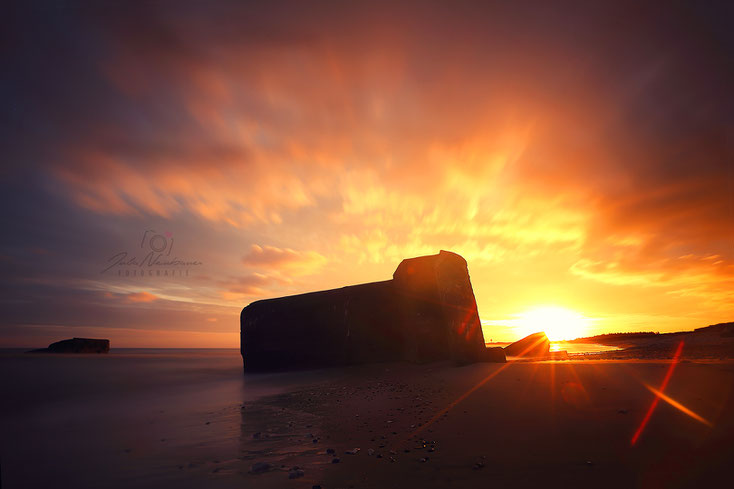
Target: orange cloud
283,259
140,297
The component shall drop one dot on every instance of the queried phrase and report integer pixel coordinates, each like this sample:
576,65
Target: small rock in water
335,460
478,465
424,460
370,452
353,451
330,451
260,467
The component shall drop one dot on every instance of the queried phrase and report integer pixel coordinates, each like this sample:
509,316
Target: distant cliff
77,345
427,312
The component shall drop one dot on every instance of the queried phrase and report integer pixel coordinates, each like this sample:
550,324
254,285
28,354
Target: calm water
143,415
138,414
571,348
581,348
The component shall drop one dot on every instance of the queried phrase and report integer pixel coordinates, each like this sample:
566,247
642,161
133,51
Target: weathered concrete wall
426,313
442,308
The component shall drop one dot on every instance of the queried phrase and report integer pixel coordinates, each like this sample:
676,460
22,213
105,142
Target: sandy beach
187,419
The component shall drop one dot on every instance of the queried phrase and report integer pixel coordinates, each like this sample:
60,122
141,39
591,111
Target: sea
141,415
129,418
572,349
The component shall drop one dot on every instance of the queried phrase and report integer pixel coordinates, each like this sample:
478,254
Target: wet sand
523,424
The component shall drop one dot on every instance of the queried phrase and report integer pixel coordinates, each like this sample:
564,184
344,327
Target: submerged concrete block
77,345
534,345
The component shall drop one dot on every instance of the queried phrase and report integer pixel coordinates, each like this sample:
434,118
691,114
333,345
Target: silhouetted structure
77,345
534,345
427,312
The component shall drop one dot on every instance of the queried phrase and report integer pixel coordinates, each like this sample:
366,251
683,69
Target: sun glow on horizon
558,323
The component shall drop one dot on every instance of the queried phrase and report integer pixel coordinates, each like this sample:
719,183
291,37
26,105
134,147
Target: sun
558,323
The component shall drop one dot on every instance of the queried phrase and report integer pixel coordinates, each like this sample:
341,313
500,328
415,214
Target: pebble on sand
260,467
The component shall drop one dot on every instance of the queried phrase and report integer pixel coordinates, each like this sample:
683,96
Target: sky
579,155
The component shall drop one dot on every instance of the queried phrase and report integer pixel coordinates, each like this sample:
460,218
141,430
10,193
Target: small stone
353,451
295,474
478,465
330,451
424,460
260,467
335,460
208,422
392,459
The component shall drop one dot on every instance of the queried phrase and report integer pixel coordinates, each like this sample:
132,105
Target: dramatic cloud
574,153
283,260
